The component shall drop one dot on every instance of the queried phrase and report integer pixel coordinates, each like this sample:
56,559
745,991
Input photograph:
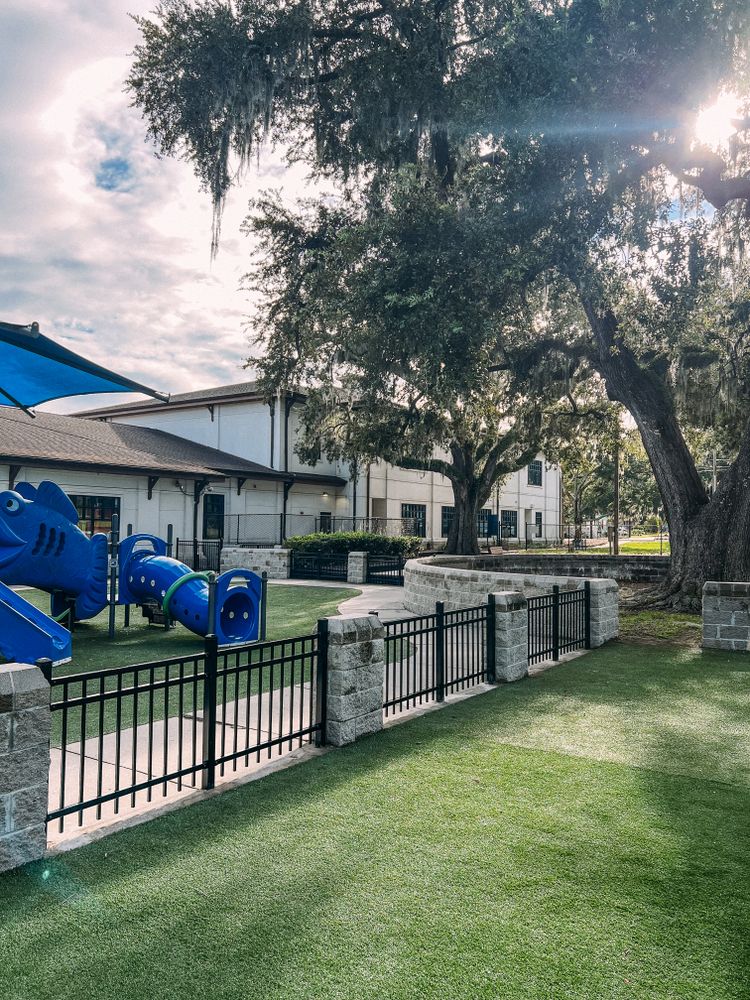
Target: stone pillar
605,611
24,764
511,636
356,571
726,616
356,657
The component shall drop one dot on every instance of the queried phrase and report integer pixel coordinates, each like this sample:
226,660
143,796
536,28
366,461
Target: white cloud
102,243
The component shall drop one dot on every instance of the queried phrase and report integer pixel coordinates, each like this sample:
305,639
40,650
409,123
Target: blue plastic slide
147,575
27,634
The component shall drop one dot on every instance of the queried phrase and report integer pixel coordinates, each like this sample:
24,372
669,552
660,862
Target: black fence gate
559,623
201,554
385,569
319,565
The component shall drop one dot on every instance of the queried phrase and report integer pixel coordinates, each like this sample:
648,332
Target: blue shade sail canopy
34,369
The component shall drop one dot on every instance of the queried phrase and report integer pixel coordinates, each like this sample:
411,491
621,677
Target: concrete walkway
387,602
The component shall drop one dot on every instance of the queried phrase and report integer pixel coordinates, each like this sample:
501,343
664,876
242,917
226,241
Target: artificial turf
581,834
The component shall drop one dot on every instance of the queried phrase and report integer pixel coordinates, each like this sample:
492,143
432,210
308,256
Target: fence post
263,600
170,539
555,622
490,655
440,651
127,606
587,612
321,684
25,723
208,778
114,538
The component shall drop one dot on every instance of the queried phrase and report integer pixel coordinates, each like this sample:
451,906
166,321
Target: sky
104,244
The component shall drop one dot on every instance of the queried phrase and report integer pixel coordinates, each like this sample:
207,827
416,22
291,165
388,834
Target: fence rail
559,623
437,654
124,734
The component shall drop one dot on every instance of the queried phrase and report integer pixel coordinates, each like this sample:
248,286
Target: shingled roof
72,442
218,394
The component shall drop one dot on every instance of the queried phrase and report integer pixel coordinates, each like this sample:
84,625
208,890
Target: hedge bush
356,541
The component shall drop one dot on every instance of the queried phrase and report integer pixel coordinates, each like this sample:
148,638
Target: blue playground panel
42,546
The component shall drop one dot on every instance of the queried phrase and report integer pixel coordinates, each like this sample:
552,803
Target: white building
224,460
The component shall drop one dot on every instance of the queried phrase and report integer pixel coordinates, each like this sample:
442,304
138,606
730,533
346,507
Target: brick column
356,571
24,764
356,655
511,636
726,616
605,611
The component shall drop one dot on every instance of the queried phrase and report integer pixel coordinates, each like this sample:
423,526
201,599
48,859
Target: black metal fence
200,554
438,654
123,735
319,565
385,569
559,623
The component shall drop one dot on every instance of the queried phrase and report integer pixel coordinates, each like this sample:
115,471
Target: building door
213,515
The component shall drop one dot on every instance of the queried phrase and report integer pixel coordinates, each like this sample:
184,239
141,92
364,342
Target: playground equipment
152,579
42,546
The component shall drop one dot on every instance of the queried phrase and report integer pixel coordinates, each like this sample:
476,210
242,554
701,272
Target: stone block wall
24,764
511,636
356,664
276,562
605,611
464,581
645,569
726,616
357,568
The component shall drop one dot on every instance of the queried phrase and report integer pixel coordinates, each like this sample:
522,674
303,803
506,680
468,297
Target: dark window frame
509,519
409,511
86,504
537,466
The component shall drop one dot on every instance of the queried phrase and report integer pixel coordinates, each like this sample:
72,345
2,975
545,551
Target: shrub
356,541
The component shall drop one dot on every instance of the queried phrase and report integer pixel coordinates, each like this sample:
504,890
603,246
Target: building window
213,515
446,520
418,513
324,521
509,523
483,521
538,522
534,477
95,513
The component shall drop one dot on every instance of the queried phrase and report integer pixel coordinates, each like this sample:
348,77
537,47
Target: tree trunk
709,537
462,534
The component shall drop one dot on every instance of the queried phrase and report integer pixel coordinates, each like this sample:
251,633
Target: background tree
582,116
384,312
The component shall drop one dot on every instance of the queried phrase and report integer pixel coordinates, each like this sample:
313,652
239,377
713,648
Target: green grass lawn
583,834
634,547
292,611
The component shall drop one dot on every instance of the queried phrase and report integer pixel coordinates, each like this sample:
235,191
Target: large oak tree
581,114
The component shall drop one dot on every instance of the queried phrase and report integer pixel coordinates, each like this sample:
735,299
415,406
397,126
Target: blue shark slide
27,634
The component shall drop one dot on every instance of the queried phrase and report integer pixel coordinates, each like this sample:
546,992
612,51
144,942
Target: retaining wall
276,561
624,569
465,581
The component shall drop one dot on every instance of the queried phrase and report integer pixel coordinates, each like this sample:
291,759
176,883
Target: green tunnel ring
176,586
